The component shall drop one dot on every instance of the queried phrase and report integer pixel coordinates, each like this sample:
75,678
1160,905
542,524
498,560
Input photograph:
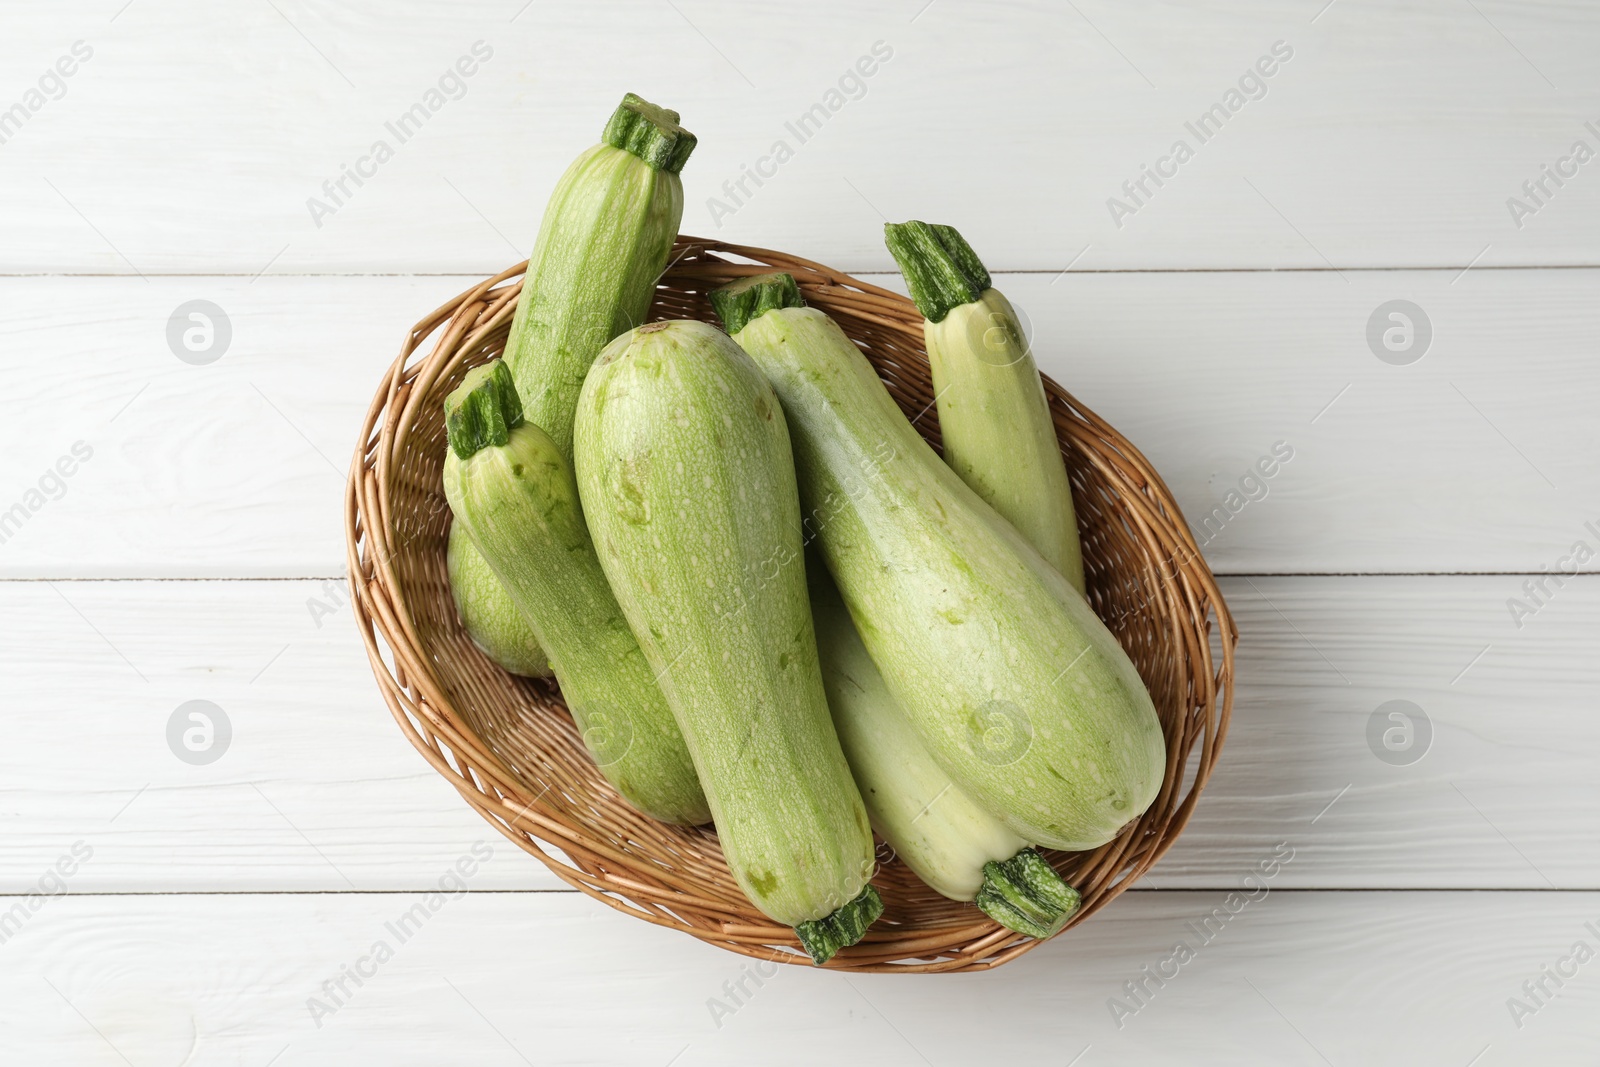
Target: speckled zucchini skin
941,833
994,418
1018,689
684,464
487,612
603,242
515,496
995,422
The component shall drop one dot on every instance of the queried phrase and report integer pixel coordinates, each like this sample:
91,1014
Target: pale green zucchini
487,612
1016,687
994,418
513,493
684,461
603,243
947,838
604,240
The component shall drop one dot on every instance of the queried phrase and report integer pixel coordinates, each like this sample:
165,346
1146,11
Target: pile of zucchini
768,603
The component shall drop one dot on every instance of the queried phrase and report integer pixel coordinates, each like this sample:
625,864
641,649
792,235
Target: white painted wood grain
1505,794
1294,978
319,791
236,467
194,137
1473,458
1374,513
1478,457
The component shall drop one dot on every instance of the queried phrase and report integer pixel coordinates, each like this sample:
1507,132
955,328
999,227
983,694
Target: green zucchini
949,840
487,613
1018,690
512,491
603,243
994,418
604,240
684,461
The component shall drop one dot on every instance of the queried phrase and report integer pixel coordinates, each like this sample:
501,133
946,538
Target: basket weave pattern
510,747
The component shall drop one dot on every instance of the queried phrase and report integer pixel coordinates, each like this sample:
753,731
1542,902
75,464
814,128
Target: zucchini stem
749,298
650,132
940,268
482,410
822,937
1025,894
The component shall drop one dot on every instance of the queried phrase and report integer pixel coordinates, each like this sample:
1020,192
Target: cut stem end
1025,894
749,298
482,410
941,269
650,132
823,937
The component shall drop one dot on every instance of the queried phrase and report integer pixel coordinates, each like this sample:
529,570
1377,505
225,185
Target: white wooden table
1442,901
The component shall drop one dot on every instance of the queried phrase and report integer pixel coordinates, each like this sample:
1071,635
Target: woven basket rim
684,891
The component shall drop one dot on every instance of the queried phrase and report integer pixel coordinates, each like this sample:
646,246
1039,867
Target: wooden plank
318,790
198,469
235,468
1394,135
315,790
1488,784
1460,461
493,978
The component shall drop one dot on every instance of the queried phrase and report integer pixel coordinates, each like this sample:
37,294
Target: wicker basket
510,747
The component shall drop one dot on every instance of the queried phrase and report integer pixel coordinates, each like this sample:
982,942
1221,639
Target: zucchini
604,240
684,459
487,613
1019,691
950,841
994,417
603,243
513,493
